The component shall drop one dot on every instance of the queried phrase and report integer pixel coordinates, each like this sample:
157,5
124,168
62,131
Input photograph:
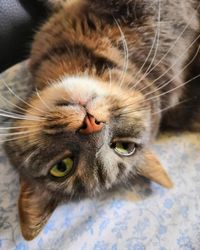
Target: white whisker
126,52
18,107
19,98
17,127
173,45
169,107
20,117
174,77
186,50
31,155
156,37
168,82
156,49
19,137
20,133
13,82
42,100
170,49
110,78
173,89
14,105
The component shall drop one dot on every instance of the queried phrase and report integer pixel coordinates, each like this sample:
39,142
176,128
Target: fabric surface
146,217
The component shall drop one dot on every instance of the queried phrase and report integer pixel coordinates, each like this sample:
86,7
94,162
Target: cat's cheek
35,207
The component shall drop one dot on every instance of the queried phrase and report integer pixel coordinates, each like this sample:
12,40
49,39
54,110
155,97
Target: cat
108,74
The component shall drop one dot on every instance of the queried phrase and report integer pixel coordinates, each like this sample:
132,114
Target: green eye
62,168
124,148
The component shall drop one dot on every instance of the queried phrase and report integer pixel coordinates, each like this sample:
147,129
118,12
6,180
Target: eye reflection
124,148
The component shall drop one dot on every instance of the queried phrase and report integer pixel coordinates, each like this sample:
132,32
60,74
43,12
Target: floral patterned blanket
147,217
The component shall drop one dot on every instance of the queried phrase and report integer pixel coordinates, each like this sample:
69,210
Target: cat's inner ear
154,171
35,207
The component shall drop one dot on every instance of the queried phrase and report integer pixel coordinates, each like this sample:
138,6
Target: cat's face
103,151
83,136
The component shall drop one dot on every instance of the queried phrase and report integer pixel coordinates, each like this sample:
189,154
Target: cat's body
107,72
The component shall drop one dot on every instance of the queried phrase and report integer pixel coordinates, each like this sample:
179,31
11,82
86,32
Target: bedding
145,217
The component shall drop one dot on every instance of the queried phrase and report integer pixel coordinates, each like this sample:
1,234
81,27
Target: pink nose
90,125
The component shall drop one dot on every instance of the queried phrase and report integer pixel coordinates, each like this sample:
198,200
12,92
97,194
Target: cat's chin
82,90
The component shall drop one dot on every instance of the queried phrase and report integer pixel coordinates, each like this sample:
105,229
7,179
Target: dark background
19,20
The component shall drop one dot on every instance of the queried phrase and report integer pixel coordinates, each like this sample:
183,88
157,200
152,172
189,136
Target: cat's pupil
125,145
61,166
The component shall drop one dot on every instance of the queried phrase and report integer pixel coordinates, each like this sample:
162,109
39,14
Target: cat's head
81,137
89,129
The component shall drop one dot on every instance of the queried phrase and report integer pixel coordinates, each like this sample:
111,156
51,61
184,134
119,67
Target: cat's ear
35,207
153,170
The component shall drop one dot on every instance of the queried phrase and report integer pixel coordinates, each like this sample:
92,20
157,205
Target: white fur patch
81,89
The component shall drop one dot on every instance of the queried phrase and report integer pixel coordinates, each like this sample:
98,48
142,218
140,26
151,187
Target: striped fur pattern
126,63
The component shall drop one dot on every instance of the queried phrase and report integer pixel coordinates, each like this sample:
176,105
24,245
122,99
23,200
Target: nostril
90,125
97,122
84,126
